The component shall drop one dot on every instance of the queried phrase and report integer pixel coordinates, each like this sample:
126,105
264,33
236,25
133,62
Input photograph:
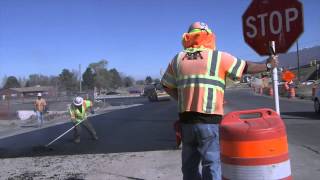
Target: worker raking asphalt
78,113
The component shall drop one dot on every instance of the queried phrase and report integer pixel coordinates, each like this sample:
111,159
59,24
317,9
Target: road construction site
139,143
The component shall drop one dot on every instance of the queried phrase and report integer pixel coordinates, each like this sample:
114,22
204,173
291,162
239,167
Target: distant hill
289,60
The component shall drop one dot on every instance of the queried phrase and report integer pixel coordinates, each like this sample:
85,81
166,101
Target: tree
22,81
42,80
4,80
102,75
140,82
128,81
148,80
68,80
157,80
116,80
88,79
12,82
101,65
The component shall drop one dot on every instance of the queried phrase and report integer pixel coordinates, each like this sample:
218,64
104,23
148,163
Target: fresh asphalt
302,123
150,127
143,128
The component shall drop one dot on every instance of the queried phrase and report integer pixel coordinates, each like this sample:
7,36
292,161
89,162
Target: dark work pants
86,123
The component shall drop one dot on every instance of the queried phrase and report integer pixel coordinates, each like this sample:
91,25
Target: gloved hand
78,121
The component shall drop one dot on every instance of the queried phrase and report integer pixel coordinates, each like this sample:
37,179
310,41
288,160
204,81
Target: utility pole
80,78
298,58
317,65
317,69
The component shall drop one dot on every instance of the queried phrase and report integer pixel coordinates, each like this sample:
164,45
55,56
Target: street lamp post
316,66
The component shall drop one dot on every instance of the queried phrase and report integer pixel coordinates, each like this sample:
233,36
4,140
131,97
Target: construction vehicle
155,92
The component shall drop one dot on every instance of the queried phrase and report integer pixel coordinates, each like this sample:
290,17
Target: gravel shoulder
161,165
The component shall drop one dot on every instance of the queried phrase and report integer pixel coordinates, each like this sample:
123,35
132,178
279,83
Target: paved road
143,128
149,127
303,124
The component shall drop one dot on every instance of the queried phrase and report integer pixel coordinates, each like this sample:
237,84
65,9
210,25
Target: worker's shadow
300,115
136,129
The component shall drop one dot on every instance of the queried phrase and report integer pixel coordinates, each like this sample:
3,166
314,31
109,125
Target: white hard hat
78,101
39,94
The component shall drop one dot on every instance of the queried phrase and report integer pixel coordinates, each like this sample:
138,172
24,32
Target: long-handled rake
46,147
63,134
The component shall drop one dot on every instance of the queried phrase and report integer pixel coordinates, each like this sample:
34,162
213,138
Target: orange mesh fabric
199,40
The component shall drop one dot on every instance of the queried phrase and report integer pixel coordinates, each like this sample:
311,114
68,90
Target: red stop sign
272,20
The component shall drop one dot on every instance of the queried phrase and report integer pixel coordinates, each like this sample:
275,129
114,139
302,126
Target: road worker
196,79
78,113
40,105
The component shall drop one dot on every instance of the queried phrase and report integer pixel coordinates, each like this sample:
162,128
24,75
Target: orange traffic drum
254,146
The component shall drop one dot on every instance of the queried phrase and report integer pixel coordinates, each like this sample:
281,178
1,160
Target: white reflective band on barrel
267,172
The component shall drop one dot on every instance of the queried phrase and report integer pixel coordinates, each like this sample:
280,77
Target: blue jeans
39,117
200,144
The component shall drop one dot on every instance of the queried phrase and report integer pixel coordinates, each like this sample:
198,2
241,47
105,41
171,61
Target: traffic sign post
272,25
275,80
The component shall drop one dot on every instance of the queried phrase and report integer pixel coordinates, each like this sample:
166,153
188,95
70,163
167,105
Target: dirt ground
160,165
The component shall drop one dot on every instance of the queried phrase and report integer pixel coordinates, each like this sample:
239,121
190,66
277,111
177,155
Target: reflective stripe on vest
80,115
200,92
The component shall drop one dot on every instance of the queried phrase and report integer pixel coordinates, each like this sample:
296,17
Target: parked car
316,100
309,82
155,92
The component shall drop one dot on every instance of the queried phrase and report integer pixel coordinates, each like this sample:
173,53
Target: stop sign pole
275,80
270,27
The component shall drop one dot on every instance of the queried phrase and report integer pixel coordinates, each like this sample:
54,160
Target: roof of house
33,89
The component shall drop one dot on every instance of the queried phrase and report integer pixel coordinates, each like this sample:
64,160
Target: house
28,91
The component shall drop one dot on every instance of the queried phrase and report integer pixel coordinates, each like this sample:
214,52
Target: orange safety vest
200,81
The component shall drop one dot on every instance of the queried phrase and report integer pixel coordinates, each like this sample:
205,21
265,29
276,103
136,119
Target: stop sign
272,20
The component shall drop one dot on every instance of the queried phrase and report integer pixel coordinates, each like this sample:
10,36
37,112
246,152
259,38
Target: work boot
77,140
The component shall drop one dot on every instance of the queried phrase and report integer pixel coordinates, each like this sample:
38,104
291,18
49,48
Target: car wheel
317,106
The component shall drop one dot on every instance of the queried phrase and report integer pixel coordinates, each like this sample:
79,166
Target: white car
309,82
316,100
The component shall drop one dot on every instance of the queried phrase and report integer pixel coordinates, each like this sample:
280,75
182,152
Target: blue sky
138,37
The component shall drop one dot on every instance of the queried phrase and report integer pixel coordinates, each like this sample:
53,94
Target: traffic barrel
253,147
